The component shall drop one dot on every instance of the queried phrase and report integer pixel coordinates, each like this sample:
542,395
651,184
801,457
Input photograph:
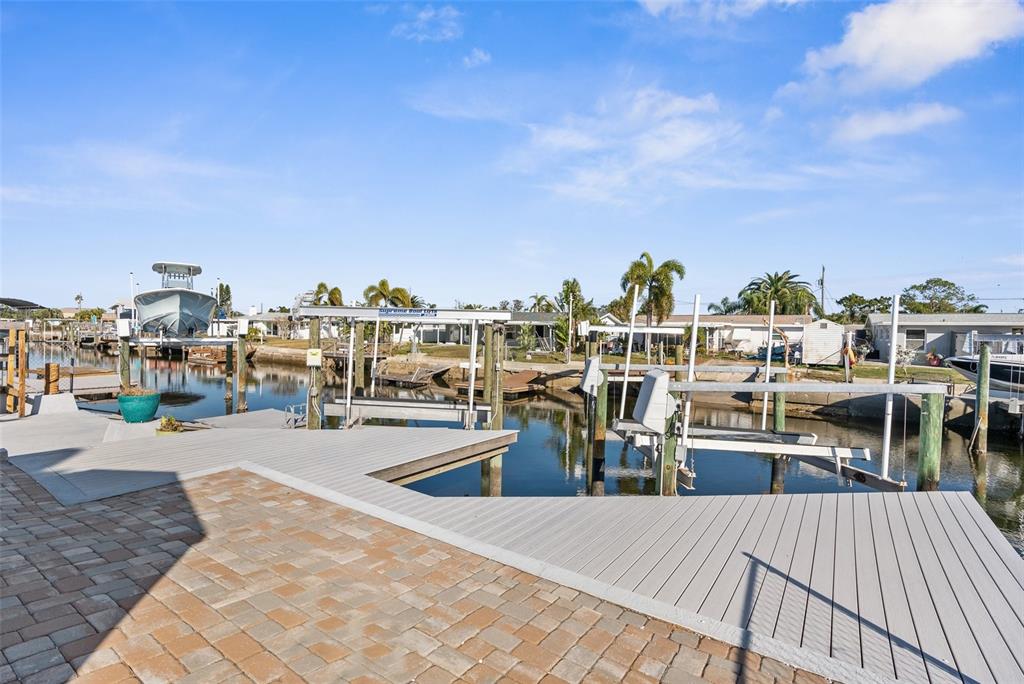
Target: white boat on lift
176,309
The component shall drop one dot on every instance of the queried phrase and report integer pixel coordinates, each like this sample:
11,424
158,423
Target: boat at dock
1007,370
176,309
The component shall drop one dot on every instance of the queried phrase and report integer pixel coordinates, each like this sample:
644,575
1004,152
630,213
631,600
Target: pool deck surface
854,587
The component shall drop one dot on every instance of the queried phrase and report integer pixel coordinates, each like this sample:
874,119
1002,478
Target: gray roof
1007,319
535,317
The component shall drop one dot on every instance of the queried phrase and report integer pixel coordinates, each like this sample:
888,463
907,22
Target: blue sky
487,151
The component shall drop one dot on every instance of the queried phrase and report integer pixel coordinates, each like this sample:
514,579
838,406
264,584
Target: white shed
823,343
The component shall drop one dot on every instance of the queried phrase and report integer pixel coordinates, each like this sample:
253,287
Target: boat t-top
176,309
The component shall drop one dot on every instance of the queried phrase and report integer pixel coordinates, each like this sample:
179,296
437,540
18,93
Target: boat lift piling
229,362
314,357
490,468
779,425
358,359
242,406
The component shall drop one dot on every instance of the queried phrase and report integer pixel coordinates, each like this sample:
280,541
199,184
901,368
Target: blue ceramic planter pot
138,409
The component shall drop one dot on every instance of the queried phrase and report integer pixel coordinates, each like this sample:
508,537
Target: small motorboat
176,309
1006,370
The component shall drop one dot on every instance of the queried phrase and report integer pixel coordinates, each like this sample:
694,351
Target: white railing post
471,390
348,374
890,379
768,364
690,374
629,351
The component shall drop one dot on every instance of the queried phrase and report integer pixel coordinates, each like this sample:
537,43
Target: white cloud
710,10
476,57
864,126
771,215
633,139
1011,260
902,43
427,24
772,114
136,163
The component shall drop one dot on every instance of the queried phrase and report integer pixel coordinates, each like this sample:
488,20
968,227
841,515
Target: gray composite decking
917,587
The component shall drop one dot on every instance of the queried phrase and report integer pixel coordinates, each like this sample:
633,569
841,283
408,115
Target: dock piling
241,371
490,468
488,365
981,399
51,378
124,363
595,477
313,411
12,347
779,425
360,358
229,364
498,361
22,368
929,454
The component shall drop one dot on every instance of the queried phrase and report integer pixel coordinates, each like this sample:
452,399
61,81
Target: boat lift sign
411,313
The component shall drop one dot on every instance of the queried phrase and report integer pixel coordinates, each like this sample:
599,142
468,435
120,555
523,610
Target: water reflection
549,458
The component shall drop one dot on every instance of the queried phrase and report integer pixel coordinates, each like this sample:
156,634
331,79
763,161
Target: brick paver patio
232,577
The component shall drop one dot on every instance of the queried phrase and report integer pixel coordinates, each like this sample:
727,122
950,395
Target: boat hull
1004,374
175,311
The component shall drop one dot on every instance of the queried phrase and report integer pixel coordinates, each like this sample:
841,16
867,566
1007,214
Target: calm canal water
548,458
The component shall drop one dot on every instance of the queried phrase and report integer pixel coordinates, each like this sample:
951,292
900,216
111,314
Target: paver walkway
231,577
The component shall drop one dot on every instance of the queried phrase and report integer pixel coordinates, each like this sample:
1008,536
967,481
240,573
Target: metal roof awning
399,314
20,304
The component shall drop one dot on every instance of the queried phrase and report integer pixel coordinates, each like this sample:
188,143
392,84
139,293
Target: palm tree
78,300
726,306
539,303
792,296
327,295
383,294
656,284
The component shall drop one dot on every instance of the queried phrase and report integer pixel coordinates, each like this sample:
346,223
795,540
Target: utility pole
821,287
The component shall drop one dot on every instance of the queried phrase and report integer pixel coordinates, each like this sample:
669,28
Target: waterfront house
942,334
740,333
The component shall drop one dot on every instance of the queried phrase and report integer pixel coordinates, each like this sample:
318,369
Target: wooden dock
916,587
514,385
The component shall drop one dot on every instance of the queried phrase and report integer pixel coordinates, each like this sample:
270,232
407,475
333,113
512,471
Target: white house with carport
943,334
741,333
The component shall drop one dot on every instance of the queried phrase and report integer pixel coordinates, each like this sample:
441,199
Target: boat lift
658,415
358,408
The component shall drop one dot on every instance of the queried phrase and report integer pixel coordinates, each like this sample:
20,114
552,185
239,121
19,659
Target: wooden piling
779,425
488,365
666,479
981,399
497,398
12,347
229,369
601,409
51,378
124,365
313,410
490,469
22,369
360,358
241,370
929,455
